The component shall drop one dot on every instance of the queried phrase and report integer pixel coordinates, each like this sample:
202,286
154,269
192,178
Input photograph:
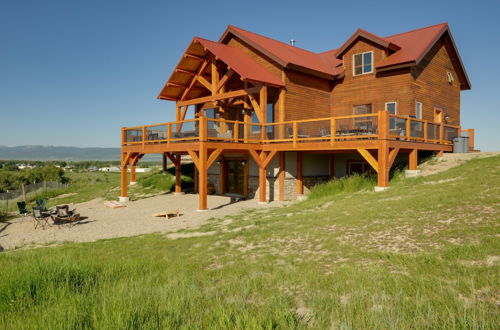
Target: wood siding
306,96
431,87
372,88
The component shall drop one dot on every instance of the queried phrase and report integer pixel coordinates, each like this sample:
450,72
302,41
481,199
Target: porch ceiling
193,60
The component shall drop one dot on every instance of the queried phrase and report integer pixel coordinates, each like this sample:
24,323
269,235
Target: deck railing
332,129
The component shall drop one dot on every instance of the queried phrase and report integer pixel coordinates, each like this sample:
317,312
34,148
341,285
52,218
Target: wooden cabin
264,118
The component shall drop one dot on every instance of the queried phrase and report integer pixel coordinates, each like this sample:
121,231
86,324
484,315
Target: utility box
461,144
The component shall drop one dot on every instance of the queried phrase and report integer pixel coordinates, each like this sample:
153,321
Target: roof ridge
269,38
420,29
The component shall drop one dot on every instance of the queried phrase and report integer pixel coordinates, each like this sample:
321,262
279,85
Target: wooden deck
378,137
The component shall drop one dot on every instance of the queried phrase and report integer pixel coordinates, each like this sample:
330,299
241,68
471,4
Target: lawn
424,254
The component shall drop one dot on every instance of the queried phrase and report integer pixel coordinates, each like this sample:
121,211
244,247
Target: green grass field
424,254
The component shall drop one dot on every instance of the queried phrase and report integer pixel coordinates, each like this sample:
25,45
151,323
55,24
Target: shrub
346,184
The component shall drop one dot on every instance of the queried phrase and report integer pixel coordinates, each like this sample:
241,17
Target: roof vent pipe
292,42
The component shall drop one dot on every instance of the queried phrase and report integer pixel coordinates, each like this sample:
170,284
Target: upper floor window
363,63
418,110
391,107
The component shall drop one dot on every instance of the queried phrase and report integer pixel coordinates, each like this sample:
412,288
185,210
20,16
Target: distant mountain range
61,153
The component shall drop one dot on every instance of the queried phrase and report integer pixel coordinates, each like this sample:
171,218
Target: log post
164,163
281,176
300,183
383,151
124,178
413,160
178,182
262,180
202,178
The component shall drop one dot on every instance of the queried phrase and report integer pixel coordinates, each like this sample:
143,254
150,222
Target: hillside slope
424,254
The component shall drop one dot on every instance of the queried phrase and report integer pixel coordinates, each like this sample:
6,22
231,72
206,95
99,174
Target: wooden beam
255,157
369,158
176,85
214,77
392,156
268,158
222,96
223,80
213,156
281,176
171,157
194,57
256,107
205,83
203,179
383,165
193,81
195,158
178,174
300,181
413,160
191,73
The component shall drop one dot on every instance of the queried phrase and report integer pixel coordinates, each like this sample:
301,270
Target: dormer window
363,63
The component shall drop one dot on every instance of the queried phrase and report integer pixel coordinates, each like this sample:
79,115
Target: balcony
332,130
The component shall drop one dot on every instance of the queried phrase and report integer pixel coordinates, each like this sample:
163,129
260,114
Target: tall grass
420,255
157,180
348,184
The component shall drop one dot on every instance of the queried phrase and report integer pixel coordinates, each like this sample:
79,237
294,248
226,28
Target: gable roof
245,66
286,55
408,48
367,35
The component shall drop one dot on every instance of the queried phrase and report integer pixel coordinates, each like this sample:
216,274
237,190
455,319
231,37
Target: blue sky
73,72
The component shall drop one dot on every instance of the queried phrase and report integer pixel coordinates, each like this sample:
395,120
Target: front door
235,176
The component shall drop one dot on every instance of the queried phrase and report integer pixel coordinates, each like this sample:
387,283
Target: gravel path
450,160
135,219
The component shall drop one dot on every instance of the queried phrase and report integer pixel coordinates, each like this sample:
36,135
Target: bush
347,184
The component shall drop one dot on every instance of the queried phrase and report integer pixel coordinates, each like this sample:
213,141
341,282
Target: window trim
421,110
362,64
396,108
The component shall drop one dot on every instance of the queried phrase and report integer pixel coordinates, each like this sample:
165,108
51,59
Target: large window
269,119
418,110
363,63
392,108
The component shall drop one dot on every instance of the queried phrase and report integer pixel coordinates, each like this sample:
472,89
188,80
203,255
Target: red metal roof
284,54
241,63
409,48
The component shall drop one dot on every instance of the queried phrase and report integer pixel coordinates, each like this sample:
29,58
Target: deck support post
164,163
202,178
178,188
133,164
300,183
262,159
413,160
383,163
281,177
124,177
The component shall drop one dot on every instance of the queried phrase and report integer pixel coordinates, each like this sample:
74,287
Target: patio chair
40,217
64,211
22,208
42,203
64,216
325,132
